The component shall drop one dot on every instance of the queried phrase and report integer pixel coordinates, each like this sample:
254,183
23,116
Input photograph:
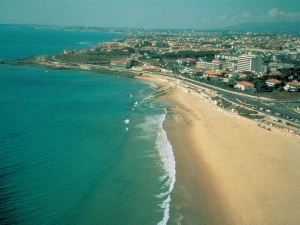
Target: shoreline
215,154
229,170
195,201
190,173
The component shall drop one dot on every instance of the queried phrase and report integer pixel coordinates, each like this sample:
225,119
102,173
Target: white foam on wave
134,106
127,121
162,178
148,100
165,151
153,85
154,128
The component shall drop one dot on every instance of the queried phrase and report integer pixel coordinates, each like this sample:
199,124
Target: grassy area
280,96
86,58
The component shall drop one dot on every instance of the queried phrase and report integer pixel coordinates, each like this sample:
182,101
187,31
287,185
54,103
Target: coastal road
269,106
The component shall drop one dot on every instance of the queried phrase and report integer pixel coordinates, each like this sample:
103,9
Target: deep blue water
78,147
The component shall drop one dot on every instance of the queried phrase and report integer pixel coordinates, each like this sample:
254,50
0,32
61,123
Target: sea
79,147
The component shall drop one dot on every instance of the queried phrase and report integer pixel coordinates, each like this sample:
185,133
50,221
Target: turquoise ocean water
78,147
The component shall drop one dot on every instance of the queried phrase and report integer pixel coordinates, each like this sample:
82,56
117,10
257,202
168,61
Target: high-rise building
249,63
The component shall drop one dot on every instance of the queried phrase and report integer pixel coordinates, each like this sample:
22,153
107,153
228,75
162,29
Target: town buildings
249,62
273,83
268,61
245,86
292,86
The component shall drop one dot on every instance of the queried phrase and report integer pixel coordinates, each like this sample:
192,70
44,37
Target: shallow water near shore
80,148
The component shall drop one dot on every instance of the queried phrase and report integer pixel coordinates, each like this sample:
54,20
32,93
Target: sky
199,14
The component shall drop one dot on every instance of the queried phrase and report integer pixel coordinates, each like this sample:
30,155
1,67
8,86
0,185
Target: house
273,82
210,73
292,86
245,86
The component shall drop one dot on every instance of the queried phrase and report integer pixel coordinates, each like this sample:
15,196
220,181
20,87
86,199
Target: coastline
39,62
229,171
215,154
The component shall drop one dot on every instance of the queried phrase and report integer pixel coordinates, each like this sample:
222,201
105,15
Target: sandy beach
229,170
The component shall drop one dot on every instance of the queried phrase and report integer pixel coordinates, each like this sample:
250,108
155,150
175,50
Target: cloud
230,20
277,15
273,15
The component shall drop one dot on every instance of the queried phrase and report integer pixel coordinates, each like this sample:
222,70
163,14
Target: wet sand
229,171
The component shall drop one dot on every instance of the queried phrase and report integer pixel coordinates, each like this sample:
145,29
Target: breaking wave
166,154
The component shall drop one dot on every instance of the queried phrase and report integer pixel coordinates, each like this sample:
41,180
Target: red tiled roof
296,84
190,59
274,81
245,83
213,73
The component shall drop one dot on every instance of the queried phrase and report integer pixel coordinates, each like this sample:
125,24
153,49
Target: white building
225,56
273,82
245,86
249,63
292,86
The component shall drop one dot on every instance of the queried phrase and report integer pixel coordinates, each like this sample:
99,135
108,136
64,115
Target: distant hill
266,27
